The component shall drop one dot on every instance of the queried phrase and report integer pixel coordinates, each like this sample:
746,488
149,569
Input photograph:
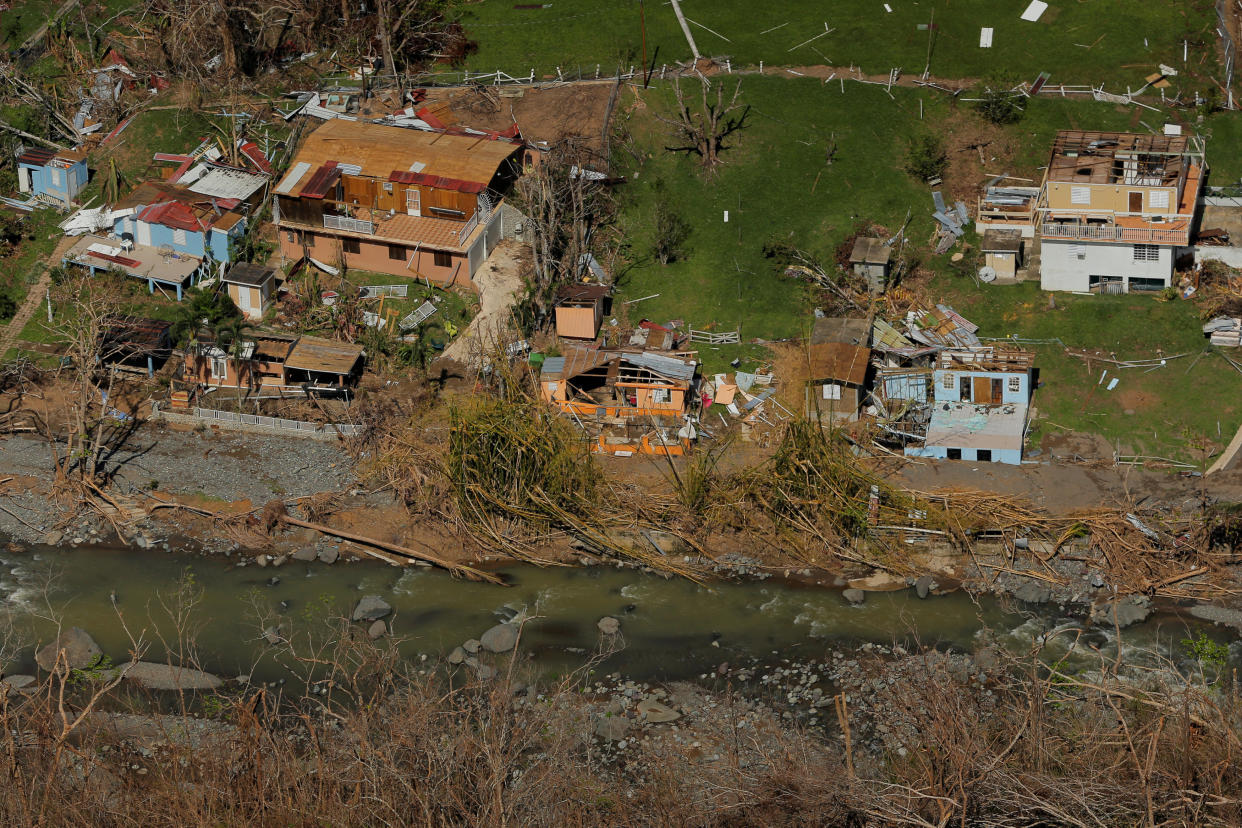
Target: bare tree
702,130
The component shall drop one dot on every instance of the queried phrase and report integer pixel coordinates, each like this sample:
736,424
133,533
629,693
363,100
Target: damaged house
273,361
979,404
56,176
405,202
1115,207
618,384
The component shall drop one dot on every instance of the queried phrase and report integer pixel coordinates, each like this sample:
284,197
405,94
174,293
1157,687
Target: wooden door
998,391
982,391
1136,202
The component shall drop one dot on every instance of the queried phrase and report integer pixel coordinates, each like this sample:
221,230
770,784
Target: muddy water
672,628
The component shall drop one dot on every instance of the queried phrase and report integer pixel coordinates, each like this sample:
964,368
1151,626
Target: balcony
1113,233
353,225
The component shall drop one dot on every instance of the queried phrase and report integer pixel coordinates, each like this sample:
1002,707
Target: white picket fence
277,423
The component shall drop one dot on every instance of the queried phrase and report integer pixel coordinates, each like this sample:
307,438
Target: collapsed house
1114,208
135,342
619,385
973,405
274,362
425,205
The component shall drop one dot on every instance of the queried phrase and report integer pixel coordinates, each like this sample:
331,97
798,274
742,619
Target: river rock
484,672
281,560
608,625
1128,610
472,645
500,639
261,560
18,684
457,656
613,728
306,554
142,541
371,608
924,585
53,538
854,596
80,650
377,630
329,555
656,713
165,677
1032,592
1219,615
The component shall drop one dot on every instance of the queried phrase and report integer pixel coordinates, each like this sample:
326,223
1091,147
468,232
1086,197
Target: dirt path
499,281
34,297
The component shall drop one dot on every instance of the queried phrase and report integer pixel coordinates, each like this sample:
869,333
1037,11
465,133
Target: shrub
926,157
1000,106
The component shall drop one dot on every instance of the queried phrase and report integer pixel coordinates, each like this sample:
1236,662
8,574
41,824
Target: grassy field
1126,40
1152,412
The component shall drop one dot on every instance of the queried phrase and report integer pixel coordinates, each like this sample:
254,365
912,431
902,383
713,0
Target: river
672,629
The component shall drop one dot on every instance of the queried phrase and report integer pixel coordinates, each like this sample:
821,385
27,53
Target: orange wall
577,323
198,369
374,257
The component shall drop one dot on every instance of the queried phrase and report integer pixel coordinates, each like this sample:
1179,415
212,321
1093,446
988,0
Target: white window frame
832,391
1146,253
219,367
179,237
948,382
661,395
1158,199
1015,384
1080,195
388,186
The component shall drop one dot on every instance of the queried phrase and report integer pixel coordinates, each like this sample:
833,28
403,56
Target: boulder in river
500,639
305,554
371,608
608,625
18,684
1032,592
377,630
924,586
457,656
81,651
655,712
329,555
1125,611
166,677
854,596
471,645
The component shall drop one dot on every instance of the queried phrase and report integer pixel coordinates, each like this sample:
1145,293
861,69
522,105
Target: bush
671,230
1000,106
926,157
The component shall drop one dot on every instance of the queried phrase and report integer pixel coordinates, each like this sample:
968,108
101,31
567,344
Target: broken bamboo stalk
456,569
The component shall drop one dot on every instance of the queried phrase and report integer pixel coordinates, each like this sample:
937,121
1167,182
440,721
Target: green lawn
1149,412
578,34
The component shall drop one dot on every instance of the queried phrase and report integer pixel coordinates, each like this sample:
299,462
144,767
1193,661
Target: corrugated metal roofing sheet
296,173
225,182
321,181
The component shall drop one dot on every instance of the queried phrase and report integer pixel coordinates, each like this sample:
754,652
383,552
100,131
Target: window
291,237
179,237
832,391
1159,199
396,252
55,177
984,455
661,395
1146,253
441,259
948,382
955,454
1080,195
1015,384
219,368
351,245
388,186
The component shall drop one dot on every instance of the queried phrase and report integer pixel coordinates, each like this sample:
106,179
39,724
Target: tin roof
579,361
248,273
226,182
852,331
324,356
838,361
870,251
380,149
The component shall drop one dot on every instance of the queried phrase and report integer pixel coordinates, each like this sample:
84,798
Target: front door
981,394
413,202
1136,202
997,392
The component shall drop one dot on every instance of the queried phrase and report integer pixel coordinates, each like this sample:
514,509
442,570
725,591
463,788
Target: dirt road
499,281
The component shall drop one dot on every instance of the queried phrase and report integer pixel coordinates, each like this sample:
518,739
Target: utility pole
642,22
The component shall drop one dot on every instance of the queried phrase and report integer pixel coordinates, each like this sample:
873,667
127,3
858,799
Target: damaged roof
850,330
227,182
968,426
324,356
249,274
942,328
838,361
579,361
380,150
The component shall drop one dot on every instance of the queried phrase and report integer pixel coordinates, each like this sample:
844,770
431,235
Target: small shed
135,342
837,380
1002,251
324,364
871,259
59,175
580,310
251,287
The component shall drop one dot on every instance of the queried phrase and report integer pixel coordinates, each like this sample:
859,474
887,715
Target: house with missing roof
273,361
392,200
979,406
580,310
1114,208
54,175
618,385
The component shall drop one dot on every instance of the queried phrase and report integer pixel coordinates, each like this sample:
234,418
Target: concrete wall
1011,456
1110,197
44,180
1061,269
954,394
1231,256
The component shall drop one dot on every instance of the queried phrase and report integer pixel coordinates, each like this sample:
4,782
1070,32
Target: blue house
979,406
58,175
172,218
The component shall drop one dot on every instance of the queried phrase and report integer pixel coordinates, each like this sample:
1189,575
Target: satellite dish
987,273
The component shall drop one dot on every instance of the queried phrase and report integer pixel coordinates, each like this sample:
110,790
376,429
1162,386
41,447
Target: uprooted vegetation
922,739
